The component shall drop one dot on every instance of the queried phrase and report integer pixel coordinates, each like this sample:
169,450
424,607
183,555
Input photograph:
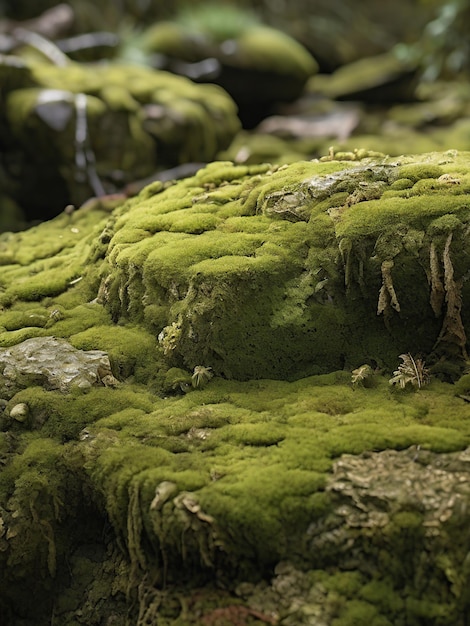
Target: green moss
346,583
444,225
63,417
362,75
282,280
218,22
200,120
268,49
47,283
36,486
10,338
131,351
381,594
263,148
357,613
402,183
255,456
419,172
369,218
258,471
18,319
74,320
462,386
300,234
168,263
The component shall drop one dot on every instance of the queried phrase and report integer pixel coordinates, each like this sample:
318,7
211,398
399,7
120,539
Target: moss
218,22
76,319
369,218
365,75
402,183
47,283
254,455
131,351
381,594
419,172
199,120
13,337
23,322
462,386
64,416
262,248
357,613
282,281
36,483
235,454
176,380
346,583
268,49
167,38
220,254
17,319
250,149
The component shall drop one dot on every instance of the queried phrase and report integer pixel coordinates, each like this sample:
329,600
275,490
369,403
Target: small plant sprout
411,371
362,375
201,376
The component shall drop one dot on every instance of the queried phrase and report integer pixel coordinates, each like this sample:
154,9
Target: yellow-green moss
281,280
132,351
254,456
174,249
269,49
257,470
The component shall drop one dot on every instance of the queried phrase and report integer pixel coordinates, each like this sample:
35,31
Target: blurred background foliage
336,32
443,50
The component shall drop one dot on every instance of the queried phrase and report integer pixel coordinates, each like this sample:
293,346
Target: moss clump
132,351
314,241
207,28
419,171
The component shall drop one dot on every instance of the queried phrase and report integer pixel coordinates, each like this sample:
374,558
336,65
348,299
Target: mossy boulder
255,273
77,131
379,79
257,65
261,271
242,485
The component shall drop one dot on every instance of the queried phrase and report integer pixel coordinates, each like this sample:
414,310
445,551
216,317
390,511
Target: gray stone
52,363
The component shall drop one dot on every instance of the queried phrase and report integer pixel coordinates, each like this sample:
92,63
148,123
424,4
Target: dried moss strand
453,330
437,295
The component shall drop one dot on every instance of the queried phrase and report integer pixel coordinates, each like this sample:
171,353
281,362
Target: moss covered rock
277,272
255,273
73,132
257,65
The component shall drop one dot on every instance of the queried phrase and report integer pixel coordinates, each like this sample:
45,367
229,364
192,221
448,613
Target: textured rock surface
52,363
